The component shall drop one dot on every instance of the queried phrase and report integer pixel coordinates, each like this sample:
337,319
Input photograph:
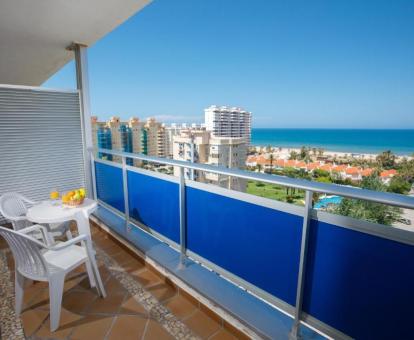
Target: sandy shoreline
284,153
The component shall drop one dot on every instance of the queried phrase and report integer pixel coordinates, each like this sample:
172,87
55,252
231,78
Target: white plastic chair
13,206
35,260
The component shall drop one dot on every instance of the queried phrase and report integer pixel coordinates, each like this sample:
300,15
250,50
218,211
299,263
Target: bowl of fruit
74,198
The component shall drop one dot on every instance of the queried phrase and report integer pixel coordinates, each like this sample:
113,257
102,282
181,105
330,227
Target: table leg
82,222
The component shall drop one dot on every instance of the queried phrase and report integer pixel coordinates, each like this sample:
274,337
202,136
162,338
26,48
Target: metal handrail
309,186
332,189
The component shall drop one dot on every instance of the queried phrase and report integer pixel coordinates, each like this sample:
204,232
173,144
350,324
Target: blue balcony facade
356,275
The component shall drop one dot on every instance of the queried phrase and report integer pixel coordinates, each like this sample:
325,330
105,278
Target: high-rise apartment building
155,138
133,136
199,146
230,152
137,131
170,132
114,126
175,130
191,146
101,137
225,121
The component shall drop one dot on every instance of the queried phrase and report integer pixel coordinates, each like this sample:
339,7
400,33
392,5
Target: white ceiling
34,34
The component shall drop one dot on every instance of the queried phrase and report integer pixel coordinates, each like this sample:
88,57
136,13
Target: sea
400,142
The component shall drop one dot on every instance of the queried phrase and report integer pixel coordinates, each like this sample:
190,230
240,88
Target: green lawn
275,192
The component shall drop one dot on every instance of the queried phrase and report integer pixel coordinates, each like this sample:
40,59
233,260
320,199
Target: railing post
294,334
183,222
125,187
92,157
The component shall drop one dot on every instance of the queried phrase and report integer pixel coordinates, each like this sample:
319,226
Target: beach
285,153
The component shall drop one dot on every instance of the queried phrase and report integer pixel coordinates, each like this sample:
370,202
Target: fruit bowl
74,202
74,198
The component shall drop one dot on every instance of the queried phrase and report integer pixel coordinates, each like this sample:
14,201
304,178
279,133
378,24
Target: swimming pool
327,200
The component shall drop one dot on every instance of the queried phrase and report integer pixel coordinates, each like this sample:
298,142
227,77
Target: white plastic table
54,212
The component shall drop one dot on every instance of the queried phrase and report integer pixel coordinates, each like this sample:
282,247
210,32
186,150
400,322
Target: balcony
293,257
180,258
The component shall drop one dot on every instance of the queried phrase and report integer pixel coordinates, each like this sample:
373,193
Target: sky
292,63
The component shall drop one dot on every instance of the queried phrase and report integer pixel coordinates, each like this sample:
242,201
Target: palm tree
271,162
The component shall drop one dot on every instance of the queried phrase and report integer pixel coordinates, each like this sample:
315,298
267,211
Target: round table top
55,212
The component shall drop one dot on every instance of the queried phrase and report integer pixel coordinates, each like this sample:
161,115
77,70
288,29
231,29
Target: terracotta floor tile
123,257
128,327
109,305
132,306
92,327
77,301
30,292
32,319
83,284
113,286
133,265
79,281
37,284
146,277
67,322
201,324
111,248
223,335
180,306
155,331
162,291
36,298
104,272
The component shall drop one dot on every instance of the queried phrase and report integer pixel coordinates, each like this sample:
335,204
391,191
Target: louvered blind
40,141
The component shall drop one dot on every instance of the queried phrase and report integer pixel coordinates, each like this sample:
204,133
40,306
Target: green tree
320,152
304,153
369,211
386,160
320,173
399,185
271,158
293,155
406,169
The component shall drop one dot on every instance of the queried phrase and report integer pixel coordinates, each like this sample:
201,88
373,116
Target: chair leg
92,262
98,278
56,283
19,292
91,276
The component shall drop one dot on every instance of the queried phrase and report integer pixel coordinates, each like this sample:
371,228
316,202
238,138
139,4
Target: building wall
191,146
230,153
114,125
136,127
155,138
224,121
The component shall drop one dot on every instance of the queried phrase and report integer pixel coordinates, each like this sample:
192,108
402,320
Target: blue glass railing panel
258,244
358,283
109,185
154,202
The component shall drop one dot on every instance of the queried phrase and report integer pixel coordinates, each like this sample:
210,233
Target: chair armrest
35,227
70,242
29,201
32,228
15,219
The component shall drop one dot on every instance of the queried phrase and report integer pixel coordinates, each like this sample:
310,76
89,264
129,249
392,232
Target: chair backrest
27,254
12,206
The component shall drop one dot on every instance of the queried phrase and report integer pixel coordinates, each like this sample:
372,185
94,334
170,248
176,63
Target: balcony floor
140,304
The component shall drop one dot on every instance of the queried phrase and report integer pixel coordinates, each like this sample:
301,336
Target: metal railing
308,186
